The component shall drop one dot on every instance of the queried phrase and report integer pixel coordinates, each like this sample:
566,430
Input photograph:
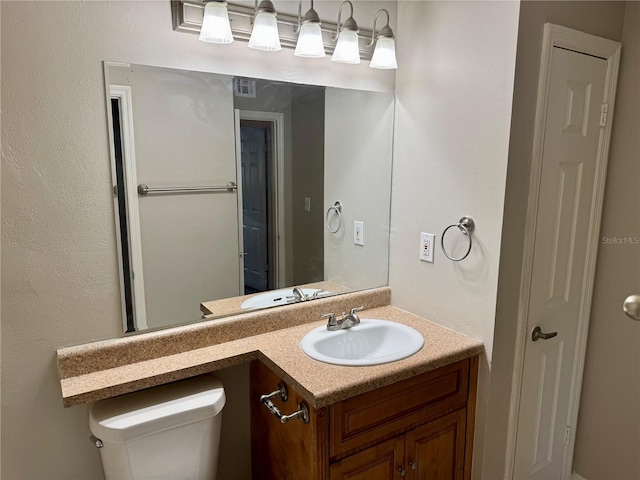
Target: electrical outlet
358,233
426,246
307,204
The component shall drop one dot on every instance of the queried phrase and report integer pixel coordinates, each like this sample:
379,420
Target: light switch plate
358,233
426,246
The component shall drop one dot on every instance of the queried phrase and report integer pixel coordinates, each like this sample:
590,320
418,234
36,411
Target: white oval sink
275,297
372,342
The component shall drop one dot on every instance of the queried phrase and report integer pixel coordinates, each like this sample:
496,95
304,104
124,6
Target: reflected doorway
256,138
258,156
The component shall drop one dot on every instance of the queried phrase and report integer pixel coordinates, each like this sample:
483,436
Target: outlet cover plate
427,241
358,233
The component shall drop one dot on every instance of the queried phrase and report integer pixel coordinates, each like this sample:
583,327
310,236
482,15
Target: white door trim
558,36
123,94
278,151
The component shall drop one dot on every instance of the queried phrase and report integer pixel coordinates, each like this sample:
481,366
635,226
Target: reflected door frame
277,120
579,42
122,93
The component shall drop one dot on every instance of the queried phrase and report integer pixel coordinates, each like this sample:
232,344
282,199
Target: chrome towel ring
466,225
337,207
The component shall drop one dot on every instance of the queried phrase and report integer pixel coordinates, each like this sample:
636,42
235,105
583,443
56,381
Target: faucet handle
332,318
357,309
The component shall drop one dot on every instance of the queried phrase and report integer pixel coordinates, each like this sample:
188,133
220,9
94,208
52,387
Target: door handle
537,334
631,306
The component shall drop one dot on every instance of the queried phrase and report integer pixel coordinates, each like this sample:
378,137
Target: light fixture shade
384,56
347,49
310,41
215,25
264,35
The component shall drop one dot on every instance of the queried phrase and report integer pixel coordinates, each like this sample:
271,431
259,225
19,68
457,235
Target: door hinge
604,110
567,434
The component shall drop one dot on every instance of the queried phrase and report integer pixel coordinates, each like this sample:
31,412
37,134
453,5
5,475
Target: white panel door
564,213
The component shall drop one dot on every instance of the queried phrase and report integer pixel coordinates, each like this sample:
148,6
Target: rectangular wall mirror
233,194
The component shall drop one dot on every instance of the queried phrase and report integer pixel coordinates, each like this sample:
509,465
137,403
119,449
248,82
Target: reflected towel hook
466,225
337,207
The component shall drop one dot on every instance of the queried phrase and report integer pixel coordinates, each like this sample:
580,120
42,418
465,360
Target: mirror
230,192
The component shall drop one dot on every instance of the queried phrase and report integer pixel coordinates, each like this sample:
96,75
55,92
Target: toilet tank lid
124,418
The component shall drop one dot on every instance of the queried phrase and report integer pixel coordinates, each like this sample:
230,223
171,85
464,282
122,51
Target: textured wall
59,270
453,113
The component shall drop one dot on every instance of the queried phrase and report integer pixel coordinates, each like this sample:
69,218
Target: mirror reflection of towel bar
145,189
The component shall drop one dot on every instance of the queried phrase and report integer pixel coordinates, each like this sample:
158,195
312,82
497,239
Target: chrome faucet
298,295
347,321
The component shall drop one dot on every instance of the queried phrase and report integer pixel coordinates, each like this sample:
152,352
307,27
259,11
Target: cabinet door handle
413,465
402,471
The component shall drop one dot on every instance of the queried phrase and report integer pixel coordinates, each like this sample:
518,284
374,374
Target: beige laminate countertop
320,384
323,384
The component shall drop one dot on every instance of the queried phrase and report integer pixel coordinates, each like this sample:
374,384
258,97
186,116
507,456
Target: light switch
358,233
426,246
307,204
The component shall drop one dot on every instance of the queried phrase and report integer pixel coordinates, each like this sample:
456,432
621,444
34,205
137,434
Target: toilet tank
167,432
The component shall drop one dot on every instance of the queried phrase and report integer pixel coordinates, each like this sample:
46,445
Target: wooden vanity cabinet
419,428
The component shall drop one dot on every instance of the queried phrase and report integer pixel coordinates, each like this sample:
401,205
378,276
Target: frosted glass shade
310,41
264,35
384,56
215,25
347,49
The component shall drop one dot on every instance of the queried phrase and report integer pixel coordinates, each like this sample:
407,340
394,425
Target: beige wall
608,434
452,132
453,114
598,18
59,271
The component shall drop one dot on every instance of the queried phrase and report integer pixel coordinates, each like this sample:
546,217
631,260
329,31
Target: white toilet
167,432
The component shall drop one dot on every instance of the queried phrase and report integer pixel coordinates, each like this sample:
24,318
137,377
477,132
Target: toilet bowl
167,432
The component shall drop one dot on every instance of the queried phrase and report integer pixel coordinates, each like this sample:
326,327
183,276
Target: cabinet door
435,451
361,421
381,462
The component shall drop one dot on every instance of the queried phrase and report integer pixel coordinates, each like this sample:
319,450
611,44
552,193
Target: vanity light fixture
217,21
384,55
264,35
347,49
309,34
215,25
